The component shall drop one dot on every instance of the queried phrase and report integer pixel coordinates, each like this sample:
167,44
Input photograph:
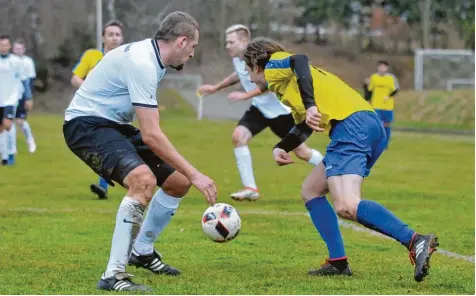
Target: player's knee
141,183
309,192
346,210
176,185
7,125
240,136
237,139
20,122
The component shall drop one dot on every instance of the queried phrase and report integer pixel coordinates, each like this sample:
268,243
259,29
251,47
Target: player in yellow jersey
112,36
383,86
321,102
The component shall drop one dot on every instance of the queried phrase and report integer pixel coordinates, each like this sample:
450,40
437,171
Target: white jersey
125,78
12,73
29,65
30,72
267,103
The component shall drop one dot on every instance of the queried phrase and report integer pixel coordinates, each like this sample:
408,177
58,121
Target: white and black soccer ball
221,223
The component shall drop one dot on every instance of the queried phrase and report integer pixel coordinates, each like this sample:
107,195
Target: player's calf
176,185
161,210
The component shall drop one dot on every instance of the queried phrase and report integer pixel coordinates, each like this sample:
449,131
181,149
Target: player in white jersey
12,73
265,111
98,130
24,105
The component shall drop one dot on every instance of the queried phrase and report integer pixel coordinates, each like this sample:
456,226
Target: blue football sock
103,183
388,131
374,216
325,221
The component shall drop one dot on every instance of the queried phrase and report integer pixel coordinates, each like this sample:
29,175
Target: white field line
342,223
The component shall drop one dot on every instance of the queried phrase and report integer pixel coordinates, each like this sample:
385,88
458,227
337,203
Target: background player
383,86
12,73
324,103
98,130
24,105
112,37
265,111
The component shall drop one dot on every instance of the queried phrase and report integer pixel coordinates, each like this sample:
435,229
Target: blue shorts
356,144
385,115
21,112
7,112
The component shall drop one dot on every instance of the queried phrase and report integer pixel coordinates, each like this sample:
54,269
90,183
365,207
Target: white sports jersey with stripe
12,73
267,103
125,78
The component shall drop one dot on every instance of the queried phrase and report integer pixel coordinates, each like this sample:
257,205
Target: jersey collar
4,56
157,53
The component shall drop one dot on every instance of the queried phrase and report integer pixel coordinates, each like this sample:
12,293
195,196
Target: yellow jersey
382,86
334,99
87,62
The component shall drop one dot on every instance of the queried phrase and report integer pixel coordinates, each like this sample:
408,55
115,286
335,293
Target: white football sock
245,166
316,158
128,221
160,212
4,145
27,132
12,140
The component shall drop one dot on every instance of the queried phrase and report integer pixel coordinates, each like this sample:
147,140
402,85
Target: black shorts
21,110
7,112
255,121
112,150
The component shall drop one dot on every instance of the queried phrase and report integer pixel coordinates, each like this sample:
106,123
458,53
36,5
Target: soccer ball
221,223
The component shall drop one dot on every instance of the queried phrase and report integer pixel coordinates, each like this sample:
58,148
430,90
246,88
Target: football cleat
99,191
421,248
11,159
121,282
249,194
152,262
31,146
327,269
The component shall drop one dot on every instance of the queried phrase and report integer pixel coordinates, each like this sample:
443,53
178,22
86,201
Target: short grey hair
239,28
177,24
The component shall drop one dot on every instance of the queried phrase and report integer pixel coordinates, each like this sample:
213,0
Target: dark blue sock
103,183
374,216
388,131
325,221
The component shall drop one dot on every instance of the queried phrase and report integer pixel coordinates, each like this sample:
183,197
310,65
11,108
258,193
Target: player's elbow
149,137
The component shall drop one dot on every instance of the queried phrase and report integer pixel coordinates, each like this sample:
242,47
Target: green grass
55,236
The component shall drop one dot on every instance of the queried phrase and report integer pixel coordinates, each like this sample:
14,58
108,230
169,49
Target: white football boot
247,193
31,146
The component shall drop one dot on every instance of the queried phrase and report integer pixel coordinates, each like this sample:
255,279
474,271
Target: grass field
55,236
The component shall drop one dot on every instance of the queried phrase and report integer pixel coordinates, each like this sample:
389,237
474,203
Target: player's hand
237,96
282,157
207,89
386,98
29,105
313,119
206,186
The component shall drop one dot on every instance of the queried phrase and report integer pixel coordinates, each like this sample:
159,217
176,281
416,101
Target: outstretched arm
208,89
